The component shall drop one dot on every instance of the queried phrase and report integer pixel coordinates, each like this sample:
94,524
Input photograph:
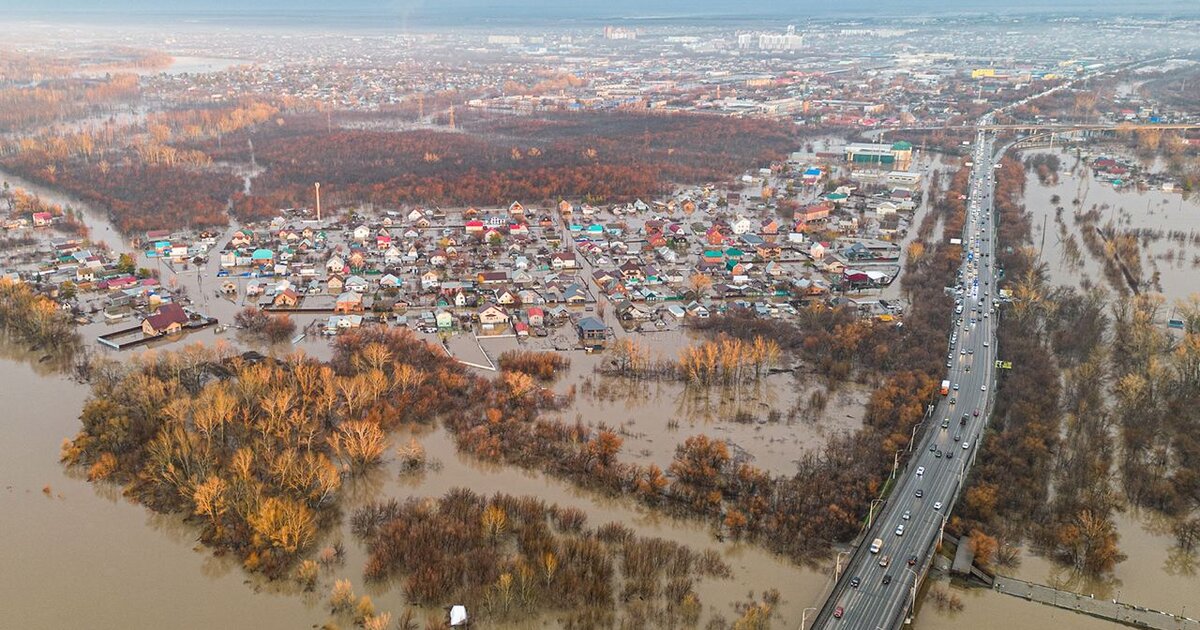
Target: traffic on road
873,591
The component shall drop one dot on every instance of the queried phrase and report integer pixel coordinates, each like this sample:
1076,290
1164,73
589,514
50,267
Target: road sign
1004,365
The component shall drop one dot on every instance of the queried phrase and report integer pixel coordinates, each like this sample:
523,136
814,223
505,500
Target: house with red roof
168,319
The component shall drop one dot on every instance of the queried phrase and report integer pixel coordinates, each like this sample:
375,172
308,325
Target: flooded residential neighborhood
593,316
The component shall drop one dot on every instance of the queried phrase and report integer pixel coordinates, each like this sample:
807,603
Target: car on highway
887,579
937,454
884,561
920,470
953,400
946,423
907,514
957,437
976,413
949,454
985,344
949,364
838,612
956,387
855,581
900,530
912,560
920,493
937,505
966,445
983,388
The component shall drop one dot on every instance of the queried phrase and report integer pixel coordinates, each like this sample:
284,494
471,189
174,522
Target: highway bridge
878,590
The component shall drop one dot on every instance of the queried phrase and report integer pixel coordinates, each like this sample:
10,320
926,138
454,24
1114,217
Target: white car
937,505
920,470
983,388
966,445
899,530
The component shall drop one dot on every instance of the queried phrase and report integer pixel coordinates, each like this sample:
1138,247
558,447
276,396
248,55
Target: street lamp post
913,605
837,565
804,617
871,512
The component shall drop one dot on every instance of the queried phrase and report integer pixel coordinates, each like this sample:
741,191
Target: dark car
937,454
838,612
949,454
920,493
855,581
887,579
976,412
912,560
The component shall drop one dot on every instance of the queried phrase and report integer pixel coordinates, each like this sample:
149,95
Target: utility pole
895,464
317,187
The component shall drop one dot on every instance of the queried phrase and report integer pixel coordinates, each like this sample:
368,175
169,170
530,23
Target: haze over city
515,314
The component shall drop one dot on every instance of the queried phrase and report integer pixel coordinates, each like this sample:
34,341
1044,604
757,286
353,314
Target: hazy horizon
483,12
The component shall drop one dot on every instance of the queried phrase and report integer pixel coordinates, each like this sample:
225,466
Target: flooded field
1170,264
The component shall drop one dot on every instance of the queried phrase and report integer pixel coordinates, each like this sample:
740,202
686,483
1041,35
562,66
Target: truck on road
945,388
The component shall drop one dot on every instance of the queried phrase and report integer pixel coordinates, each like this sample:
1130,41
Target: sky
585,10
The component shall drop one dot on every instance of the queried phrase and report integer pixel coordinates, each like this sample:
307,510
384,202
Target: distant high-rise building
617,32
771,41
786,41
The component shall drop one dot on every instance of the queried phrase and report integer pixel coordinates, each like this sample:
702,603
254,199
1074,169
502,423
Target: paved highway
925,490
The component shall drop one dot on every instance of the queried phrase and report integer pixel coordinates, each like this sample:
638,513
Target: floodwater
102,229
148,570
82,552
1128,209
985,609
1156,574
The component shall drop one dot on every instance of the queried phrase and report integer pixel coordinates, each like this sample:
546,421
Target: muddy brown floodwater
81,551
1128,209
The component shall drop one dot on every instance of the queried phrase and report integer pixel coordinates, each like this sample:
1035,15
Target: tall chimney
317,186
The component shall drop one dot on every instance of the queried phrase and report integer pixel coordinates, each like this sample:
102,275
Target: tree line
608,157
